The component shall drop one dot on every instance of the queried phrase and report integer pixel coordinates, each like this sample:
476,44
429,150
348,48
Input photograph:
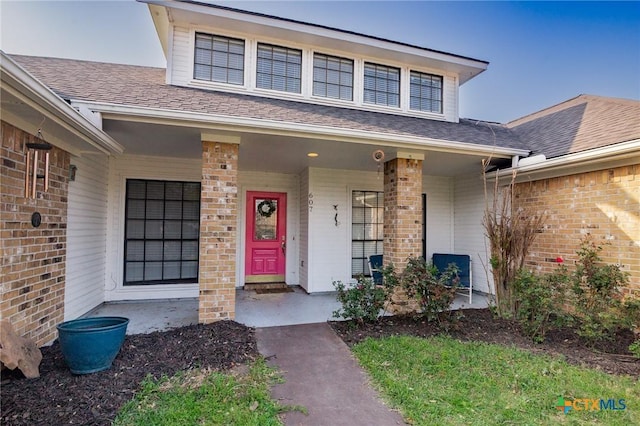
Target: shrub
597,298
434,291
540,300
361,302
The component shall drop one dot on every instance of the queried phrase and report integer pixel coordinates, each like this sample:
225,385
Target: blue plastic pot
90,345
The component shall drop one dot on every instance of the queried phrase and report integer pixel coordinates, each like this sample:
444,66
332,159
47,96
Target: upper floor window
381,85
219,59
279,68
332,77
426,92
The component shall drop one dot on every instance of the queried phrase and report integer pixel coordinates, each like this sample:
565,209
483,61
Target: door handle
283,246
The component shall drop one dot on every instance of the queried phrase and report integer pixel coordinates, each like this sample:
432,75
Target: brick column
218,230
402,219
402,210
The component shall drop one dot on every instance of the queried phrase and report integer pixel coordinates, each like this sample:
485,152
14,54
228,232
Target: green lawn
446,382
205,398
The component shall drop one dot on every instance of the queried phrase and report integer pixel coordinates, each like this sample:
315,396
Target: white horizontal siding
271,182
86,236
330,248
469,232
450,99
181,56
439,192
141,167
303,240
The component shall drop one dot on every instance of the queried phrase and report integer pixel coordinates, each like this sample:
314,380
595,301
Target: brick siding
218,230
604,203
33,259
402,220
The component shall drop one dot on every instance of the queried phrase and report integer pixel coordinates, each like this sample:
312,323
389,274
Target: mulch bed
59,397
479,325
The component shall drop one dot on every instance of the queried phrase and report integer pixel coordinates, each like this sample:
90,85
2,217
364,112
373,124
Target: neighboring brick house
268,150
587,183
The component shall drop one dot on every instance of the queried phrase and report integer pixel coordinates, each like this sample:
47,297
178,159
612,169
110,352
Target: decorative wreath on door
266,208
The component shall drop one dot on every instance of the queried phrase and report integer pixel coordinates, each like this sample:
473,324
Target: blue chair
375,266
463,263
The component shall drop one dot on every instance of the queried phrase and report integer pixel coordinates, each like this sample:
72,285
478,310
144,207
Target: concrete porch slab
253,310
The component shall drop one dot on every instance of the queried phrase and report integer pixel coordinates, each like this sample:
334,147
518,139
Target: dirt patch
58,397
480,325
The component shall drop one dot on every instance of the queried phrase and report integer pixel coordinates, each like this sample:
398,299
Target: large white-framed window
425,92
381,85
279,68
162,230
332,77
367,222
219,59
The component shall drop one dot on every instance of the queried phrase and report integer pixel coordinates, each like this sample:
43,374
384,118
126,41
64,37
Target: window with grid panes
425,92
367,217
162,229
279,68
332,77
219,59
381,85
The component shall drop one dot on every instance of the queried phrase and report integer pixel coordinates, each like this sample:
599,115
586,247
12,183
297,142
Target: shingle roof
579,124
146,87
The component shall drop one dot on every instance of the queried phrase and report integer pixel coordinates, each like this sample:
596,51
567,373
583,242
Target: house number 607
310,202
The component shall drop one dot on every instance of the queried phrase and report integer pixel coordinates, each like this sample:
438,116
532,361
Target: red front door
266,237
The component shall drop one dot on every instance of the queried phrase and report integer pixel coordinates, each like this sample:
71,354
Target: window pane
172,229
172,250
152,271
155,209
135,250
153,250
171,270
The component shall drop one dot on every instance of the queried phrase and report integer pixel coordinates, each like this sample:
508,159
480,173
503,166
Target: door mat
274,290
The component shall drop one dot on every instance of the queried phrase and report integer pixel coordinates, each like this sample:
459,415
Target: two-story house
268,150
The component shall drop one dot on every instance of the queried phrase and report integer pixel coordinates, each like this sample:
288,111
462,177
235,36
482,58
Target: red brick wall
604,203
33,259
218,229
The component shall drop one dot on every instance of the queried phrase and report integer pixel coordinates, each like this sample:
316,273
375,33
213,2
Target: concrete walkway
321,374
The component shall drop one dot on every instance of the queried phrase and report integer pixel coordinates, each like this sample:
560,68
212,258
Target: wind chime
36,151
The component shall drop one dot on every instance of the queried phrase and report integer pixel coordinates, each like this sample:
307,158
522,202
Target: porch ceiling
277,153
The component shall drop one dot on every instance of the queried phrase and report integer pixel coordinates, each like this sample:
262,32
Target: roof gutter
20,83
262,126
618,155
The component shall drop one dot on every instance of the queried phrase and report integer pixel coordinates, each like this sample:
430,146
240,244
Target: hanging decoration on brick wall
37,152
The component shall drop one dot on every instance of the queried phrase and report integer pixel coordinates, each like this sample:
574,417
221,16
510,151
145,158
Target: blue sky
540,53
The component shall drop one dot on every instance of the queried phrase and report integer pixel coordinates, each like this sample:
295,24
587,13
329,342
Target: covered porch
252,310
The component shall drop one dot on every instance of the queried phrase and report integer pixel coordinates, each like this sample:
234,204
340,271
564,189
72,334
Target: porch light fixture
34,149
312,154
